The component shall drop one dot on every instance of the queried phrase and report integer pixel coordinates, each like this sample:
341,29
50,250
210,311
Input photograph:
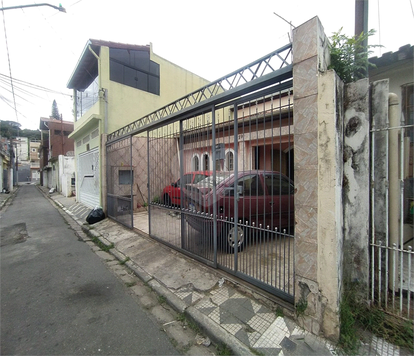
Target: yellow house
113,85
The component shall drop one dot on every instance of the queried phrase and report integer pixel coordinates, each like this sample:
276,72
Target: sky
41,46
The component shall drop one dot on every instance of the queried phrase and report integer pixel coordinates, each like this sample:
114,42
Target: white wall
66,172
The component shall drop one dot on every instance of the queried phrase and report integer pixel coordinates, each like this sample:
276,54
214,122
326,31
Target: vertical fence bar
401,214
380,275
213,118
148,182
410,255
373,211
131,179
236,198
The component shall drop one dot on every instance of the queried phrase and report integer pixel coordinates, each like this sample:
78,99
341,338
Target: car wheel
230,238
167,200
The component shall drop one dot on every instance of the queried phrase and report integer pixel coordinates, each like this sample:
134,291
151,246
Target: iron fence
392,209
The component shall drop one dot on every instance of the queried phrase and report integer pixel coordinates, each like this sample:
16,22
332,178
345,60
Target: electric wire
35,86
8,59
379,29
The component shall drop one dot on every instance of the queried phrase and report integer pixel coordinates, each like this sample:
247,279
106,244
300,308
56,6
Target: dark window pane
142,80
154,85
154,68
116,72
130,77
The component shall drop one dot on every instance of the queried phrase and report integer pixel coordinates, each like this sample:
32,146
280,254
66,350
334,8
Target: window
85,139
206,162
250,185
278,185
135,69
195,163
125,177
229,161
407,106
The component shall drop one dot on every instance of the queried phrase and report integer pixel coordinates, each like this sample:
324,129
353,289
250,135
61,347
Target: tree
349,59
55,111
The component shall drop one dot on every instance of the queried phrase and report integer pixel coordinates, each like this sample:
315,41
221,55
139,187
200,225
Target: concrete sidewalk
238,317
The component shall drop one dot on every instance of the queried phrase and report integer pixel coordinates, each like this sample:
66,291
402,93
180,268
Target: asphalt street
58,297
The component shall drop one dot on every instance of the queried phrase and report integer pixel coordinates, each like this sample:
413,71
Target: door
88,168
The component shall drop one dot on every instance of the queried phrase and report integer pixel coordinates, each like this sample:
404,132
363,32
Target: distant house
113,85
6,171
398,68
34,160
55,143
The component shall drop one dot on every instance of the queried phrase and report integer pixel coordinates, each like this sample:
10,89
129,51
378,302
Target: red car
263,198
171,194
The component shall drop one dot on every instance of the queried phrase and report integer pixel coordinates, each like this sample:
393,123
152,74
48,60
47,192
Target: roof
86,69
44,120
404,53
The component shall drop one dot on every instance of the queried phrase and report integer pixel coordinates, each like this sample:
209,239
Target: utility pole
361,24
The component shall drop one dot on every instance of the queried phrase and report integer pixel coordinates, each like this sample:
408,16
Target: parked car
264,198
171,194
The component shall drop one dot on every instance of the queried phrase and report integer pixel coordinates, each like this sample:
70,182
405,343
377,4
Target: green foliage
301,306
8,131
348,57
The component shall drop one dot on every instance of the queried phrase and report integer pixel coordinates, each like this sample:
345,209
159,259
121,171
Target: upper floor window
135,69
229,161
87,98
407,106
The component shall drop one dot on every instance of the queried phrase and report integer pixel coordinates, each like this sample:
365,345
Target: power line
8,58
34,86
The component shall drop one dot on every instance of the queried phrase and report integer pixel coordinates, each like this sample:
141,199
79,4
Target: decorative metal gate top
259,69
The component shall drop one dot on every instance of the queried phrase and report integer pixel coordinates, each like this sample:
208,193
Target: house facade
55,142
6,172
114,84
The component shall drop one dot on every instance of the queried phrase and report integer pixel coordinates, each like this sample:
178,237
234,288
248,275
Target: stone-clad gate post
318,182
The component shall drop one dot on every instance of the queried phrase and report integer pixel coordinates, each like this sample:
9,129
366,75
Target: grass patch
279,312
100,244
161,299
181,317
124,261
130,284
301,306
223,349
355,315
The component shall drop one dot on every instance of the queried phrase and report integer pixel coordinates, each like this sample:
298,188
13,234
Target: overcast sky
210,38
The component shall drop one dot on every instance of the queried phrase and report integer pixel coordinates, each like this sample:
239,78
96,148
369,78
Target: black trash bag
96,215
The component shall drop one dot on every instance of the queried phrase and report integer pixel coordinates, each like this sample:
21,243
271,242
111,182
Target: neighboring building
115,84
55,142
398,68
6,173
21,145
34,161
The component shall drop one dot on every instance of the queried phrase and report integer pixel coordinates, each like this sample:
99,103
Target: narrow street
58,297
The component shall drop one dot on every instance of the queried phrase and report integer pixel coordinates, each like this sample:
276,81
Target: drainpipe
394,184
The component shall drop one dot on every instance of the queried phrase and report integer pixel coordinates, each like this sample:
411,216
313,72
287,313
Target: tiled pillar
318,173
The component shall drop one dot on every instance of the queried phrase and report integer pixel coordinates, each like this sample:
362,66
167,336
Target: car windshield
208,181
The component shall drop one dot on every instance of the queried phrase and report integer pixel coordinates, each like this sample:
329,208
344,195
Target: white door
88,177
